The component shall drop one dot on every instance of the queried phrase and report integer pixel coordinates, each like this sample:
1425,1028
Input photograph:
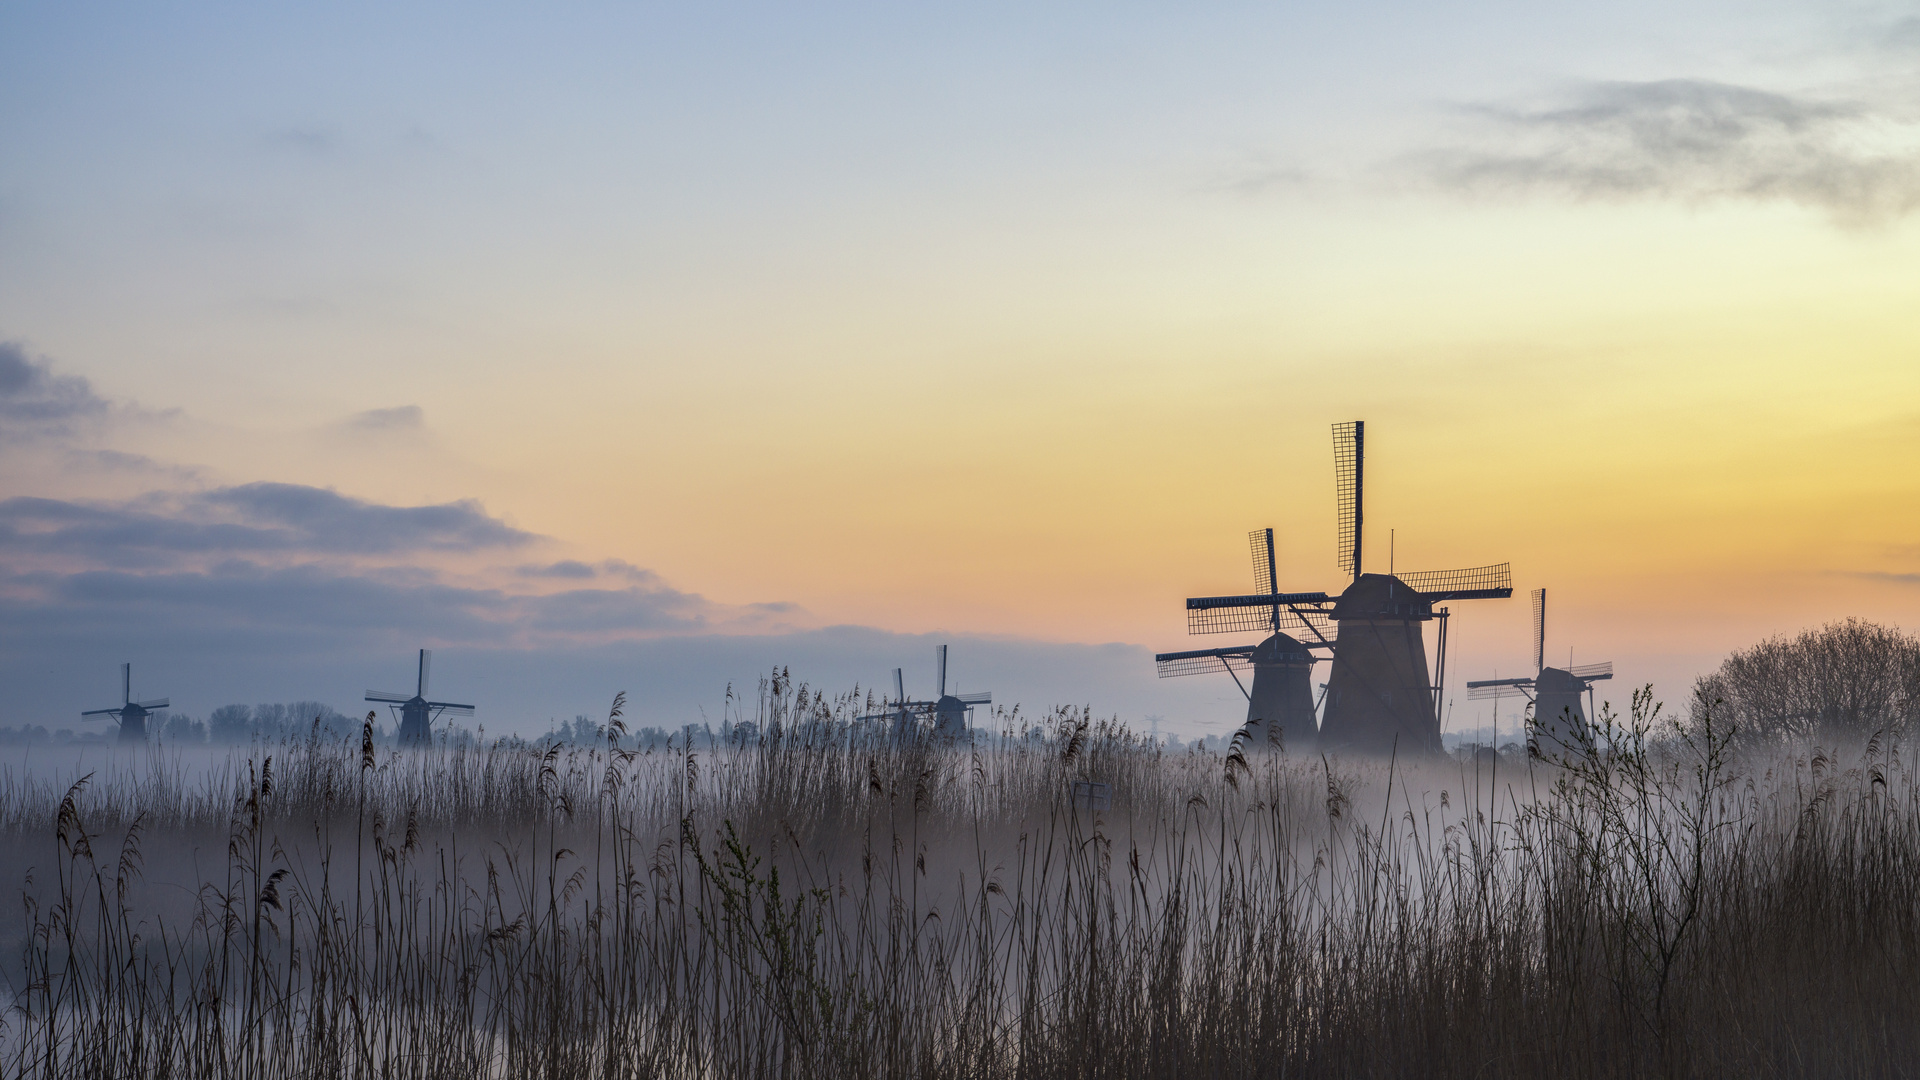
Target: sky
648,347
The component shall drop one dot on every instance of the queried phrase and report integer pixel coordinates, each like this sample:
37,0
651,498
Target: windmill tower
1280,702
417,714
132,714
948,712
1380,697
1560,725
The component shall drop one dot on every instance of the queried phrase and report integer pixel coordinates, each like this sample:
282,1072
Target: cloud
315,139
1263,178
568,568
1696,141
574,570
1903,35
117,461
398,418
242,632
252,519
34,399
318,518
1886,577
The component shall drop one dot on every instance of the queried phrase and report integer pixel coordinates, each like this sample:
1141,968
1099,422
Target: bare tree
1846,679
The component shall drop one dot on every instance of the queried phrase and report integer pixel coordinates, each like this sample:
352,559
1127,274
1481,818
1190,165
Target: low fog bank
669,682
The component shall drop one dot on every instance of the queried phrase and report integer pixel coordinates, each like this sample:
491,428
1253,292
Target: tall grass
820,903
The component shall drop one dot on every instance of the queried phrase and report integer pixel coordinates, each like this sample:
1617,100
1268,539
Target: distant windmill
417,714
1380,696
133,714
948,712
1559,723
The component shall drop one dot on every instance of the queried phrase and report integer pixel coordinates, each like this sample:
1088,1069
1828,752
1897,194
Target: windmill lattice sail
1349,484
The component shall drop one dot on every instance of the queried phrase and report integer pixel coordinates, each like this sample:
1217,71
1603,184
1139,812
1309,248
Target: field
820,902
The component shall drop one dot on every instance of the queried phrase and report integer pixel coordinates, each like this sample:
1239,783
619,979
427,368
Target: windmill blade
1309,613
448,708
1349,475
1492,693
92,714
1490,689
1261,541
126,684
1201,661
899,686
983,697
1539,629
1592,672
1473,583
426,669
389,696
940,664
156,703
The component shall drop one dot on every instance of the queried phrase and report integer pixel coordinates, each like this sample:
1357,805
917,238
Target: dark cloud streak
255,519
33,400
1691,140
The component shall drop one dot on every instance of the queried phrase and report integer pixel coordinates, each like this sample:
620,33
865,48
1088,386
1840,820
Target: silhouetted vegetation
1844,681
816,901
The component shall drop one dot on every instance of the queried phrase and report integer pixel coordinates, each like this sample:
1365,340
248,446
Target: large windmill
417,714
1559,723
948,712
133,714
1280,701
1380,697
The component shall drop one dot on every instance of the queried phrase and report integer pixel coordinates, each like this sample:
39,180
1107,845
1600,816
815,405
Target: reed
821,902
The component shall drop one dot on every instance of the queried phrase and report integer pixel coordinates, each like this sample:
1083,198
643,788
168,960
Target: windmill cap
1552,679
1382,596
1281,650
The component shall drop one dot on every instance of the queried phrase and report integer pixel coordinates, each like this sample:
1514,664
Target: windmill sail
1539,629
1261,541
1473,583
1349,476
1255,612
1203,661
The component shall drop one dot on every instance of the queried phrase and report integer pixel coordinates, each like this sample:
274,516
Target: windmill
1280,702
948,712
1379,697
133,714
1559,723
417,714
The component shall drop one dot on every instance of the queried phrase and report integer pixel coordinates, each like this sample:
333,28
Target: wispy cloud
303,138
573,569
1904,34
398,418
1695,141
1888,577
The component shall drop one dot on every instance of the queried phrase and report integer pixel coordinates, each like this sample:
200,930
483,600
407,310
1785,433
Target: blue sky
834,332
